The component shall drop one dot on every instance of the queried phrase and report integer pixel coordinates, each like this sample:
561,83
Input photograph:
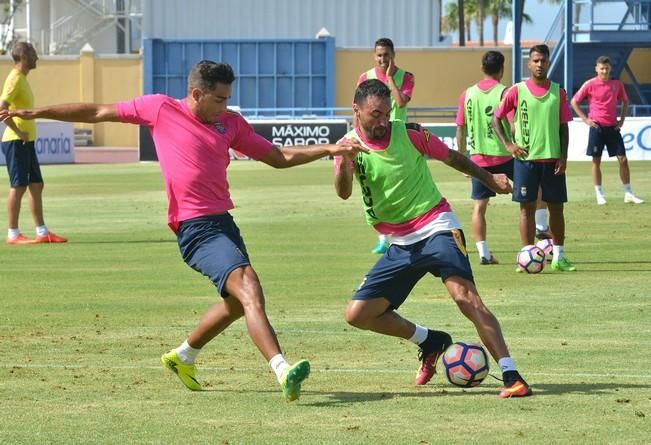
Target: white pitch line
330,370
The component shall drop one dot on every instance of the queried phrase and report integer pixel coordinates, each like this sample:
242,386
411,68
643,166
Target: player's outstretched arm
498,183
285,157
79,112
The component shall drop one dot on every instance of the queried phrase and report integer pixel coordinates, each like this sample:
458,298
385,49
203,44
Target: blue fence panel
270,73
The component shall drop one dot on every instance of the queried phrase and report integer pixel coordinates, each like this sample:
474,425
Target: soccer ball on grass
466,365
531,259
547,246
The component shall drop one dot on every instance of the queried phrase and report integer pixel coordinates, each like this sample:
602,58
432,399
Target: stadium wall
441,74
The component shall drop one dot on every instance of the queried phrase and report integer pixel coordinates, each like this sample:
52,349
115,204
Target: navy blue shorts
528,176
401,267
611,137
480,191
212,245
22,163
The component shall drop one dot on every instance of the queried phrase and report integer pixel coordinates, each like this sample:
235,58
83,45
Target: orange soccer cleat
50,238
20,239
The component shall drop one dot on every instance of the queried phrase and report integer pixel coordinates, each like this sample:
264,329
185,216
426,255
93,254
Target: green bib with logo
479,107
396,182
537,122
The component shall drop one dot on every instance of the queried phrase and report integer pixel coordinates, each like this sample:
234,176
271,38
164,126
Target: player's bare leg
36,202
376,315
625,176
479,231
557,223
596,180
14,200
465,295
528,223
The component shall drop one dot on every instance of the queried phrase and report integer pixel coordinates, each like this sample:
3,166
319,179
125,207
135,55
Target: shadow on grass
586,388
347,398
540,390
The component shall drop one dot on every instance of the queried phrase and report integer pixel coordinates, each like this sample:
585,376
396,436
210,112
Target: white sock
558,252
187,354
627,189
541,220
383,238
507,364
278,364
599,190
13,233
42,230
484,251
420,335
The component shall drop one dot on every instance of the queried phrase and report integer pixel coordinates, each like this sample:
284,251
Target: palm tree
481,18
470,13
461,10
454,20
503,9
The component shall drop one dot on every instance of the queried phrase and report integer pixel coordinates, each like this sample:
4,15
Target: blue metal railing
612,15
416,114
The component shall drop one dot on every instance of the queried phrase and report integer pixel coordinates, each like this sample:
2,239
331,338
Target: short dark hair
371,87
542,49
492,62
206,74
20,49
603,60
385,42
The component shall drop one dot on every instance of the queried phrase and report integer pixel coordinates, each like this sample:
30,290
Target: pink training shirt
193,155
480,159
429,145
603,97
510,101
408,81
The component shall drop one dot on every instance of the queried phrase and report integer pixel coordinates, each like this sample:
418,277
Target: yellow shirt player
19,150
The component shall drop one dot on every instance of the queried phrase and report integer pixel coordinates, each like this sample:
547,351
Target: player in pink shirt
400,83
192,138
603,94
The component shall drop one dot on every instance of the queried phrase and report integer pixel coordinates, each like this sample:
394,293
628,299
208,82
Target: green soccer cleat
292,378
563,265
184,372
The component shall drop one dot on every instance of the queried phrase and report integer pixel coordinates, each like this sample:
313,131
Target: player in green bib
540,148
401,83
400,198
475,112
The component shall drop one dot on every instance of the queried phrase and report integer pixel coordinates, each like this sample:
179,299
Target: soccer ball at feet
547,246
466,365
531,259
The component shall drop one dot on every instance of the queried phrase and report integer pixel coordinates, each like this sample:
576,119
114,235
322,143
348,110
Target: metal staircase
612,28
91,17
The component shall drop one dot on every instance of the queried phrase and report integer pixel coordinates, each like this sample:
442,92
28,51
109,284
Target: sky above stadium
542,13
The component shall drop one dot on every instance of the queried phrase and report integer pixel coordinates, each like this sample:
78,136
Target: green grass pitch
82,325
